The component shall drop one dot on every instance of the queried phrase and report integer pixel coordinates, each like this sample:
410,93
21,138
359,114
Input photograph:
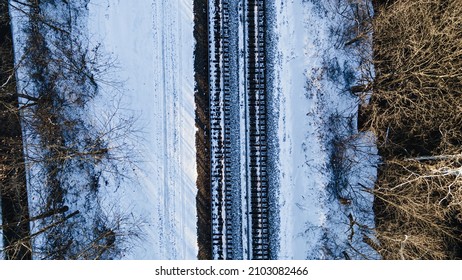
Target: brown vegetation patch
201,96
416,114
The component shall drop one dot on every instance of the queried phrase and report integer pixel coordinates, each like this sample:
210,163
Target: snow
313,224
153,44
145,64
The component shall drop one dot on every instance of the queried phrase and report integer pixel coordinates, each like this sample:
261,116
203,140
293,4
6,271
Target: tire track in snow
181,118
170,96
172,121
172,127
159,111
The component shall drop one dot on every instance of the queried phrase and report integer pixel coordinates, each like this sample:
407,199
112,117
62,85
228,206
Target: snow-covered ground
320,216
313,107
153,44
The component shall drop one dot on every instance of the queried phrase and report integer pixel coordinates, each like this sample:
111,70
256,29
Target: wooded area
416,114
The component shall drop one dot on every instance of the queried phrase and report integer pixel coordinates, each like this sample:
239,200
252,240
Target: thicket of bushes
416,114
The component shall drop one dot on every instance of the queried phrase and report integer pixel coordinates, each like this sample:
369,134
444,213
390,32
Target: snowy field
153,44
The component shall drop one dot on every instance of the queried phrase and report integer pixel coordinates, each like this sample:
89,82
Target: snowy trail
176,159
153,42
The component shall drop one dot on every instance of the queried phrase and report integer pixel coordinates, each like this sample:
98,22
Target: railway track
235,152
256,96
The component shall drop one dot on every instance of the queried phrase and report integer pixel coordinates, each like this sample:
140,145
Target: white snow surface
152,42
311,71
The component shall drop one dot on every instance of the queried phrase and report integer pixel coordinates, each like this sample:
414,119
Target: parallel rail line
224,244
